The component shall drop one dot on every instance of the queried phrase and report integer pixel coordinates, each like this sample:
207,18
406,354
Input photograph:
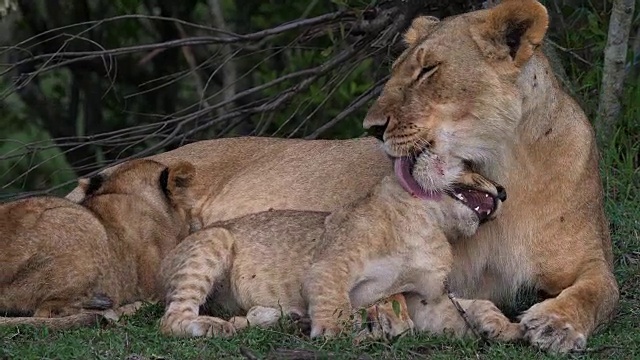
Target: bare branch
191,41
191,60
568,51
229,76
355,105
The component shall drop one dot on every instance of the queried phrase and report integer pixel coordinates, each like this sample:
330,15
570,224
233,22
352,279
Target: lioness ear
420,28
514,28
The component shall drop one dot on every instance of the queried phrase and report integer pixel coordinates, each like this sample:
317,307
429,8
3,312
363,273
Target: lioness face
453,90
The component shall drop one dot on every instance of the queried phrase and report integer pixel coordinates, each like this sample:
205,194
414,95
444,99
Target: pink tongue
402,168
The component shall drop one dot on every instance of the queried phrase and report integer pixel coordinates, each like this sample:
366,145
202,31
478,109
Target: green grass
137,337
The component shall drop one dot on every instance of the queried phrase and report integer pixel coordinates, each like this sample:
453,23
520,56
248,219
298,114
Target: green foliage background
77,103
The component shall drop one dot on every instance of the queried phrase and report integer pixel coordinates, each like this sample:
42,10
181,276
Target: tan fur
287,261
60,258
509,118
239,176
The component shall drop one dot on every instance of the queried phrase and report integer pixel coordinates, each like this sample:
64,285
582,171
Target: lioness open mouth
481,202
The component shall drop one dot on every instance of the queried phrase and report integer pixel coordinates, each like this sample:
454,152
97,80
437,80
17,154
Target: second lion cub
326,265
60,261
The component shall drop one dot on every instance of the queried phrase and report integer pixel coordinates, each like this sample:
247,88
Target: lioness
59,258
491,100
286,261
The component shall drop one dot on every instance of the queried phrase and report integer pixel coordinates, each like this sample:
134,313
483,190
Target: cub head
454,90
164,188
476,200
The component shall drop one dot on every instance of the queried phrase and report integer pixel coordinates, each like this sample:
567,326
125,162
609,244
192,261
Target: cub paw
383,321
492,324
264,317
130,309
326,329
551,332
206,326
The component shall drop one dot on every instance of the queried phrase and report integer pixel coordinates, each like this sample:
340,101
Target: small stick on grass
462,313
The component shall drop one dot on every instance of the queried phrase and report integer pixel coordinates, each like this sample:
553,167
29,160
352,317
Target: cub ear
420,28
94,184
514,28
79,193
90,185
177,177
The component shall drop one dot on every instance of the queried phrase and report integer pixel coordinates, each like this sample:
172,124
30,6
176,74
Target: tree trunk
615,55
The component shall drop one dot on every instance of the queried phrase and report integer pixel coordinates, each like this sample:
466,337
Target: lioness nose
376,130
502,193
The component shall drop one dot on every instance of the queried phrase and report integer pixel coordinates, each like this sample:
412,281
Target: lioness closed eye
59,258
388,242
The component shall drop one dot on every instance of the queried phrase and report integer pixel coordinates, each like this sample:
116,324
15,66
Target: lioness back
257,174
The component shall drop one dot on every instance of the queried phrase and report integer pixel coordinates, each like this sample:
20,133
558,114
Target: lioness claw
551,332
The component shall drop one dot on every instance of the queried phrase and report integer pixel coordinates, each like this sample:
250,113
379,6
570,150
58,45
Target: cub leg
189,273
68,306
441,315
130,309
50,309
57,323
326,289
47,292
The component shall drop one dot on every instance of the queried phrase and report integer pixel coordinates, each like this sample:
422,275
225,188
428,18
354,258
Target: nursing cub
326,265
59,258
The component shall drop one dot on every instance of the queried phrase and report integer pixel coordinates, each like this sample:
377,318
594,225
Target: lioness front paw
491,323
551,332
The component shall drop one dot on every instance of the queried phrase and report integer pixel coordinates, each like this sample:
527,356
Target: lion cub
59,258
299,262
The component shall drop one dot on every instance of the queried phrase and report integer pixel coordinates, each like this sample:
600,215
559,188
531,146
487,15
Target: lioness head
454,90
164,188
